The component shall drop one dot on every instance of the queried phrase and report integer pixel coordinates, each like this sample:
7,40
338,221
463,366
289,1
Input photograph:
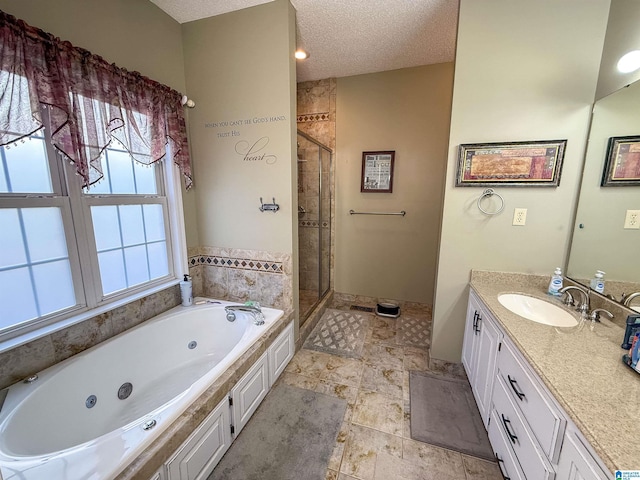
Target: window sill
23,338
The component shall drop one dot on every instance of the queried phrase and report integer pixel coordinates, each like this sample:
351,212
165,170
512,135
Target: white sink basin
537,310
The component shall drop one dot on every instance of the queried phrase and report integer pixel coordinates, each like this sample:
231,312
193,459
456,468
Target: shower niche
314,222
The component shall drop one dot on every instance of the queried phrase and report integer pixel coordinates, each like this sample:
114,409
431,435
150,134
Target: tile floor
374,442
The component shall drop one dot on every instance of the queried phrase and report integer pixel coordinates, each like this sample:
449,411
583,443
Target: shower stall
314,222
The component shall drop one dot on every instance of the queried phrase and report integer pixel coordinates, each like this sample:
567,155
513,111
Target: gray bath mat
444,413
339,333
291,436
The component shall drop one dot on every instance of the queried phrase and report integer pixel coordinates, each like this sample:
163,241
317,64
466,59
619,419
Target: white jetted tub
89,416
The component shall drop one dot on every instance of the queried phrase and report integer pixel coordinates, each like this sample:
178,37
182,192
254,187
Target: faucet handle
595,314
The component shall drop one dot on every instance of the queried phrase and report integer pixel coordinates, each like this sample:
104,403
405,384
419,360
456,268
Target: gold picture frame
520,164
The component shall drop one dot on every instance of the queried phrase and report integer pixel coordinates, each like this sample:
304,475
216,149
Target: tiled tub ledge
154,456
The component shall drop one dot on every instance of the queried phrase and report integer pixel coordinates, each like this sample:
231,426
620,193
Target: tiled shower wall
316,116
242,275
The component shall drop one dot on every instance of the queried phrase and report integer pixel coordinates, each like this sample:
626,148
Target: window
65,250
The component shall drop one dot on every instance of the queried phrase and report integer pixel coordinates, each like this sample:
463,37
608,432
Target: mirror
600,239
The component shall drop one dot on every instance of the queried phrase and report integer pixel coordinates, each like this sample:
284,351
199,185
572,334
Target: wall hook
269,207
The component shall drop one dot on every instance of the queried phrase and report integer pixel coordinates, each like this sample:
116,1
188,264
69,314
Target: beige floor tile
389,467
383,355
406,421
346,477
300,381
479,469
384,335
379,412
434,458
382,379
346,392
362,448
347,371
338,450
406,392
331,475
416,359
309,363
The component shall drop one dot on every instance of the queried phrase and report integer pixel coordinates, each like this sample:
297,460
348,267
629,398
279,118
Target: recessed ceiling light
301,54
629,62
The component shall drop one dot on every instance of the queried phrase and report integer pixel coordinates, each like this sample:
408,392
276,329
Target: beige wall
524,71
407,111
239,68
115,31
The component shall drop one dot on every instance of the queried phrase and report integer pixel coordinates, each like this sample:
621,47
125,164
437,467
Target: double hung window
65,249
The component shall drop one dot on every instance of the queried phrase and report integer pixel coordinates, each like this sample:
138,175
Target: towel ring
489,193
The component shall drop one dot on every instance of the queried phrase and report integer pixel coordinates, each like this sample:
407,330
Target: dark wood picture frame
377,171
622,162
520,164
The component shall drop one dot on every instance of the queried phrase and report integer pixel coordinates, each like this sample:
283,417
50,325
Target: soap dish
626,359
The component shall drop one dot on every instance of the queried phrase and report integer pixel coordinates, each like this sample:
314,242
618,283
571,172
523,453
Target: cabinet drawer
544,419
532,460
505,456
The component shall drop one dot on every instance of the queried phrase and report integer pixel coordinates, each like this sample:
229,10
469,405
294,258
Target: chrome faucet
582,307
628,298
256,313
595,314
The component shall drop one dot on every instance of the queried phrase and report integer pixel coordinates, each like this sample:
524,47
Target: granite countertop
581,366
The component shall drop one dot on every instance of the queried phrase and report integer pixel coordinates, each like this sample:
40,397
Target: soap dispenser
556,283
597,282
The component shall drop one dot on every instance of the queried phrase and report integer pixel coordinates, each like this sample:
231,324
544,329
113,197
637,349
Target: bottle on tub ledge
597,282
186,291
555,285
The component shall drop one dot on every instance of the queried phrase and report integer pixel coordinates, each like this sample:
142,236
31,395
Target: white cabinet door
489,337
249,392
576,463
470,344
280,353
202,451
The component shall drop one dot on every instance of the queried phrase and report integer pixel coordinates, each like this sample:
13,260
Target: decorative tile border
312,223
313,117
237,263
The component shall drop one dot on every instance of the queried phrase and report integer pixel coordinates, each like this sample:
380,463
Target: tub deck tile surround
374,441
581,367
35,356
172,438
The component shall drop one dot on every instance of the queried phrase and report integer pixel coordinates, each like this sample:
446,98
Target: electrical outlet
632,219
519,216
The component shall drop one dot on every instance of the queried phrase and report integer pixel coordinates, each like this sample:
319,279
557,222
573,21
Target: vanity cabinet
531,435
280,353
204,448
200,453
576,462
480,349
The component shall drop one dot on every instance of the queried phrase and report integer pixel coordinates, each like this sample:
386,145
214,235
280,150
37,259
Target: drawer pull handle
512,437
476,323
500,462
513,384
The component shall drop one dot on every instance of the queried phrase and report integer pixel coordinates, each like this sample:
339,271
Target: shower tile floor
374,442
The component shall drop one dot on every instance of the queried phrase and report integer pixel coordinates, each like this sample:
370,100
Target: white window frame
76,215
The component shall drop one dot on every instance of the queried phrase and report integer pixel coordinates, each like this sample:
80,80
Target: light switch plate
519,216
632,220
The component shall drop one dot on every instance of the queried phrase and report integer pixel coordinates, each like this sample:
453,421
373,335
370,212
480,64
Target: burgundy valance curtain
90,102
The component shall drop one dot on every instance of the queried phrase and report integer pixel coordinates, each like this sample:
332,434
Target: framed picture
622,163
377,172
522,164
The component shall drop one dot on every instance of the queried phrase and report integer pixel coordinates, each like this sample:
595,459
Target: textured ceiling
351,37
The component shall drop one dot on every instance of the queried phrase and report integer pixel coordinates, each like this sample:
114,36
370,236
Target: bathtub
70,423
